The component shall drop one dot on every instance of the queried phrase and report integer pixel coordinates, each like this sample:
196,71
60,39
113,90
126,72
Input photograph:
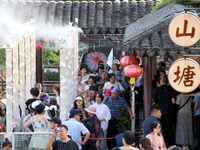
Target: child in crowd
85,96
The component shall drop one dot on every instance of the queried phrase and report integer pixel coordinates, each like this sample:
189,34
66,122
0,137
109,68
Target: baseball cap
115,90
74,112
55,120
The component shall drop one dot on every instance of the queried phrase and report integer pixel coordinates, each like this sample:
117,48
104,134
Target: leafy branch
50,54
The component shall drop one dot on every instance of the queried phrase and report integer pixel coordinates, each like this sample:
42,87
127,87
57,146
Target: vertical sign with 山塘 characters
184,29
184,75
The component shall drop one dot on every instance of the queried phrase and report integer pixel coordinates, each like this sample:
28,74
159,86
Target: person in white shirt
104,116
75,128
113,83
85,76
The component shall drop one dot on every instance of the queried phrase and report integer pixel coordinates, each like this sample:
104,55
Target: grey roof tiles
149,34
93,17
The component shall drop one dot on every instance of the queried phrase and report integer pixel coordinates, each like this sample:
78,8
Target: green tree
50,54
124,122
164,3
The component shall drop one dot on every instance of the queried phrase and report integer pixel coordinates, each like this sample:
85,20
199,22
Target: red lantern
125,61
123,54
134,55
38,46
132,71
135,61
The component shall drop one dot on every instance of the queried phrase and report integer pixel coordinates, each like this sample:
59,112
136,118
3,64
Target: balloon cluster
131,67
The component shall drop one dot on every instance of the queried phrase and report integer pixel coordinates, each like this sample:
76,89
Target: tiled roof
94,17
150,34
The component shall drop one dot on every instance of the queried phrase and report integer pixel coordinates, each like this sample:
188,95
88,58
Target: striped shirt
116,106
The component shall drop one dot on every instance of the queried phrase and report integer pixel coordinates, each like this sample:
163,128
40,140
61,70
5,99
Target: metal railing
21,140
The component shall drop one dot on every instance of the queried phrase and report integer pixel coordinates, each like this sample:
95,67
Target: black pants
198,128
112,132
91,147
167,123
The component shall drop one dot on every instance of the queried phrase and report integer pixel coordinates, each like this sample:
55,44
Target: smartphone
56,129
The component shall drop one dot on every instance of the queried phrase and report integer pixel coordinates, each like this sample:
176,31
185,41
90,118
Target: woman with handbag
184,130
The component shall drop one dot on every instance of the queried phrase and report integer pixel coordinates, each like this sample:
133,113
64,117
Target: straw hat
91,109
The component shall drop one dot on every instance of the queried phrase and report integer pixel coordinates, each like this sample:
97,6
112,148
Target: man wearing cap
115,104
55,123
64,144
76,128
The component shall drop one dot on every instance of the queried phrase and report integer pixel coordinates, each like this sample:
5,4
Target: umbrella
92,59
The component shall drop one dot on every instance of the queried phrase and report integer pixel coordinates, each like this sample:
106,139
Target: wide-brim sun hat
41,107
91,109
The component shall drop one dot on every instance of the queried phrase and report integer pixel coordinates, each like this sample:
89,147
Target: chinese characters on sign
187,74
184,75
184,29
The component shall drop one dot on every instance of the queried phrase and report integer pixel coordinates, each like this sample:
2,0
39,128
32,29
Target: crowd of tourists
93,119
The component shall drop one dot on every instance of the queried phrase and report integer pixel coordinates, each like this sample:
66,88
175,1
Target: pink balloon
123,54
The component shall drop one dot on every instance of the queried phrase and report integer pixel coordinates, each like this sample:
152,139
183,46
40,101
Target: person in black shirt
64,144
34,92
164,96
